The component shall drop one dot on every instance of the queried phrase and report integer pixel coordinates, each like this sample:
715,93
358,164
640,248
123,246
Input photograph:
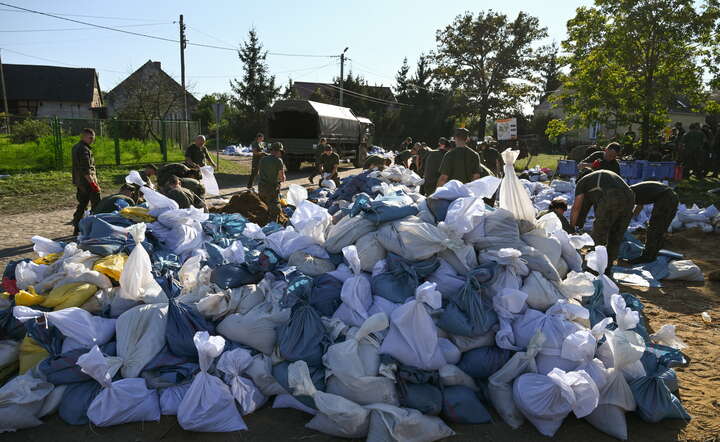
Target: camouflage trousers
612,216
662,215
271,198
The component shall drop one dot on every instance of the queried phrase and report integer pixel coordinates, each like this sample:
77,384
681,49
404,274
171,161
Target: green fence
46,143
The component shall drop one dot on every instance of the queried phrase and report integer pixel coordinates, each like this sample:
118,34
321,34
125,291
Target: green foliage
556,128
491,61
29,130
631,59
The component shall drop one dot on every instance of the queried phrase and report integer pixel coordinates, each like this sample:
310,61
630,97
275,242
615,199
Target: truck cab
300,124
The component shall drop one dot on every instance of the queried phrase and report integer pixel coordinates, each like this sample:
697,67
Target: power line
155,37
368,97
84,16
59,62
80,29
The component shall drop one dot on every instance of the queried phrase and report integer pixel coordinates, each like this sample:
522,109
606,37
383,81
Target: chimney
156,65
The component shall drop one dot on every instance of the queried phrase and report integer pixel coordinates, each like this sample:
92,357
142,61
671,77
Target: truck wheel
293,164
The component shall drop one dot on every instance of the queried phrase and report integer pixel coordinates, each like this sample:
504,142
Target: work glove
94,187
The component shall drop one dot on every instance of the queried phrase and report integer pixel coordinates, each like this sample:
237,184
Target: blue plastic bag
230,276
402,277
11,328
304,336
76,400
439,208
182,324
63,369
468,313
167,369
380,211
462,406
654,398
419,389
484,361
317,374
322,292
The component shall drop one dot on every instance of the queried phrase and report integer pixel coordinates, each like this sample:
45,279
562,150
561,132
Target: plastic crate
632,181
640,168
653,172
678,176
668,169
627,169
567,168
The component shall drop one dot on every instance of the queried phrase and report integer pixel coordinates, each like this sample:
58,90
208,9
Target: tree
550,72
631,59
319,96
289,92
401,80
490,60
255,92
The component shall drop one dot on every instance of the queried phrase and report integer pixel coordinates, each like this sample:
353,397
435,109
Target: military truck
299,125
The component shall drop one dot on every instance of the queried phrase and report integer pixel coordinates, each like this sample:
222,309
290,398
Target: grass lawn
542,160
33,191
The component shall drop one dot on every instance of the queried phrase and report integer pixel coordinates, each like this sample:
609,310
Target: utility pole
183,45
342,74
4,93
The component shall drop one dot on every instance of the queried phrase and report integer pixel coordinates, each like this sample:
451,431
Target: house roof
155,65
49,83
304,89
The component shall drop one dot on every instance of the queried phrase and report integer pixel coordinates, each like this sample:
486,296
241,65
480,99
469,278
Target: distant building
52,91
306,90
149,93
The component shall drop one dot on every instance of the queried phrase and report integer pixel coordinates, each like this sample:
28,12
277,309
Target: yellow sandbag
31,354
137,214
69,295
28,297
47,259
111,265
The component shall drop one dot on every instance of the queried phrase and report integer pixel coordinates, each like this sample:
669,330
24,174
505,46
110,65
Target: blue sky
378,33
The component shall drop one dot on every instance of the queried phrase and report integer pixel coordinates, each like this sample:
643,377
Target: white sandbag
467,343
370,251
451,353
464,214
449,281
287,241
260,371
209,181
684,270
157,202
510,271
393,424
623,348
311,220
509,304
346,357
513,196
451,191
296,194
547,245
356,292
74,323
45,246
310,265
171,397
76,272
237,300
452,375
347,232
136,281
542,294
537,260
665,336
9,352
577,285
344,418
209,405
21,402
547,400
120,402
500,229
413,338
616,398
233,364
569,253
500,383
484,187
555,325
598,260
413,241
140,335
256,328
364,390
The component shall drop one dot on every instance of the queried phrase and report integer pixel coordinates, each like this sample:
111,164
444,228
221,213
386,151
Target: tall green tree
631,59
402,89
550,73
255,92
491,60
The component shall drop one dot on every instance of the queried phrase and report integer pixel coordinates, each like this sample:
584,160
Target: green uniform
432,170
83,163
269,185
197,155
258,152
374,161
492,160
694,152
665,203
194,186
613,201
107,204
402,157
328,162
185,198
613,166
165,172
461,164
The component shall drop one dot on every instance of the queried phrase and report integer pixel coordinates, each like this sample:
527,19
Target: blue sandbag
230,276
304,336
468,313
167,369
596,303
76,400
11,328
47,336
317,375
322,292
215,257
262,261
182,323
654,398
63,369
439,208
484,361
425,398
380,211
462,406
402,277
224,228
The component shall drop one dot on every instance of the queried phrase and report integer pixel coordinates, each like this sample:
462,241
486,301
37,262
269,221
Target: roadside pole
219,108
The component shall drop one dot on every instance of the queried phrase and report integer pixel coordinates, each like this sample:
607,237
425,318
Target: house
678,111
304,90
149,93
52,91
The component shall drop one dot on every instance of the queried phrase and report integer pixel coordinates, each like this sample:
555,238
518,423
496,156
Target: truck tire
293,164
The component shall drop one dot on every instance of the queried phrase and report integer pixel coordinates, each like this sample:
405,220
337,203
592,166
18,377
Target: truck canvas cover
333,121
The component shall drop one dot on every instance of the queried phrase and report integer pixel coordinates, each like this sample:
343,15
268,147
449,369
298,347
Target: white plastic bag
666,336
157,202
370,251
233,364
509,305
209,405
684,270
134,178
623,348
140,336
296,194
44,246
256,328
513,196
21,402
356,292
413,338
123,401
542,294
74,323
208,180
393,424
136,281
344,418
311,220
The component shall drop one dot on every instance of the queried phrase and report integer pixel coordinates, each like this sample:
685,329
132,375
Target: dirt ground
679,303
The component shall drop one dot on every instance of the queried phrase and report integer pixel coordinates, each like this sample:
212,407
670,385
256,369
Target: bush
29,130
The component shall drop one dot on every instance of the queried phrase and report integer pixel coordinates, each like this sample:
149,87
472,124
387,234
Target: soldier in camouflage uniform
665,203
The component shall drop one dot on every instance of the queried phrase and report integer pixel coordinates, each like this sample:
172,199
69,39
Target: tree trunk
483,123
645,131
